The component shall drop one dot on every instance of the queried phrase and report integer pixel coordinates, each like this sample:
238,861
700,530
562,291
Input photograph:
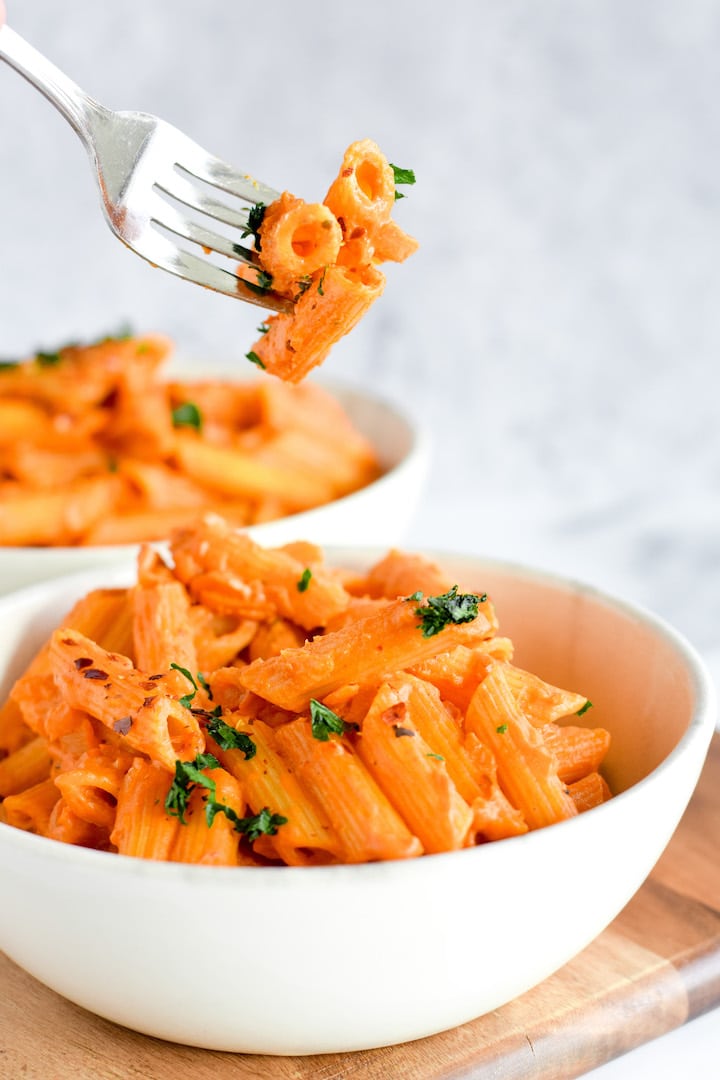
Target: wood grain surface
655,967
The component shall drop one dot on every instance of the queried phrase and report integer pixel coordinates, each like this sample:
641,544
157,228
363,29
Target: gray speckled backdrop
559,329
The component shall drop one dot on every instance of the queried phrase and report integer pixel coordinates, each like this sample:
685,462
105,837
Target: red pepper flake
123,725
68,641
396,713
95,673
154,678
148,701
82,662
400,730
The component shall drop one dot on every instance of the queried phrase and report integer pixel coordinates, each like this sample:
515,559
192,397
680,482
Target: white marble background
559,330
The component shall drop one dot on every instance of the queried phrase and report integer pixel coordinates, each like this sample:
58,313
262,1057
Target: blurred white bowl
311,960
376,514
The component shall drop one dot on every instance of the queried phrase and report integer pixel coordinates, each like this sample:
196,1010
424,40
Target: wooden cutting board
655,967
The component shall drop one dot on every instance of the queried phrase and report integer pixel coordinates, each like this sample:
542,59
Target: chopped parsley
303,284
261,286
253,357
188,698
584,708
325,722
450,607
228,738
51,358
255,217
304,581
188,776
263,328
438,757
263,824
205,684
402,176
48,359
501,729
321,282
187,415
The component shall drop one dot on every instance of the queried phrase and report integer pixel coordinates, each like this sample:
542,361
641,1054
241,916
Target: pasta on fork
324,257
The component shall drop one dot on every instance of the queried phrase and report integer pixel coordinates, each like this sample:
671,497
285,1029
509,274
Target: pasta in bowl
394,943
101,450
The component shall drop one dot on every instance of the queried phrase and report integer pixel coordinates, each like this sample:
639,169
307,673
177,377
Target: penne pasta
307,837
298,238
365,822
142,826
246,706
24,768
123,699
96,449
91,788
526,769
30,809
325,258
377,645
414,777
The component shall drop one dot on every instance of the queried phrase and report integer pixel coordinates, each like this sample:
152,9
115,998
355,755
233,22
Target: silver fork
147,170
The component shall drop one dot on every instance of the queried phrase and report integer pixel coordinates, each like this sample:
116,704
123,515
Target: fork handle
75,105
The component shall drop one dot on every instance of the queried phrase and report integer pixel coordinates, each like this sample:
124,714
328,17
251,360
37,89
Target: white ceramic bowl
376,514
309,960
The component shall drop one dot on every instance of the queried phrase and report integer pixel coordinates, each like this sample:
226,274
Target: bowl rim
417,455
699,730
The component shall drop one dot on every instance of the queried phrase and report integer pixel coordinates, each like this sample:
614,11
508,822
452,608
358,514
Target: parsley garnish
304,581
48,359
187,699
254,359
261,286
262,824
501,729
450,607
402,176
205,684
304,284
228,738
323,721
321,282
438,757
187,777
255,217
263,328
187,415
584,708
